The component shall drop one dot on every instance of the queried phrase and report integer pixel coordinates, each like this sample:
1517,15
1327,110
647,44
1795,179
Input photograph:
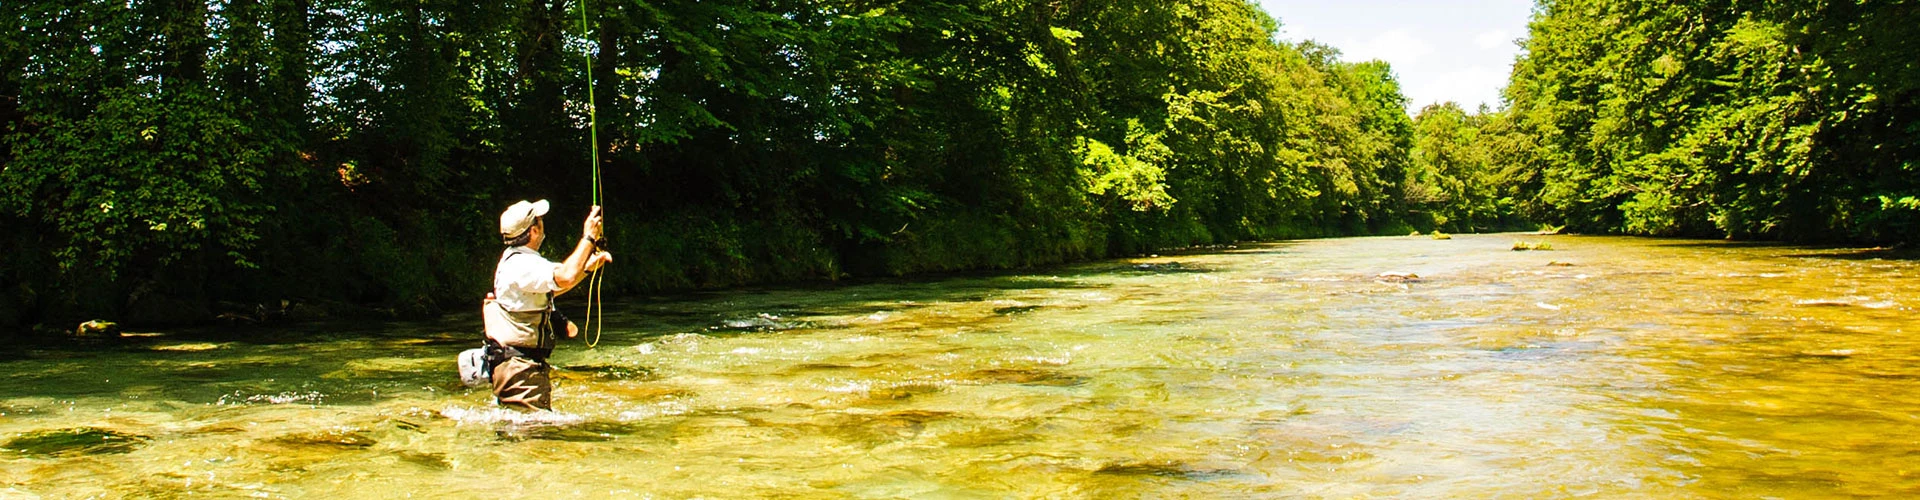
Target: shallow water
1606,367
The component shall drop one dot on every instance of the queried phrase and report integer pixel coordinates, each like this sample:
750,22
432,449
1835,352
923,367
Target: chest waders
514,358
476,365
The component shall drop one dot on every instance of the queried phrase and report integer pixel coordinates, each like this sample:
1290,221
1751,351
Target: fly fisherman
519,314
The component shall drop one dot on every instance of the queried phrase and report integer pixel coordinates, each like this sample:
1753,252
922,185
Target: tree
1788,120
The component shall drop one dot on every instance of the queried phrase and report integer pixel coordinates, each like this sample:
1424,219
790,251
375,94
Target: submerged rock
435,461
1020,376
1162,468
902,390
871,428
73,442
1828,353
1012,310
576,432
1399,277
337,438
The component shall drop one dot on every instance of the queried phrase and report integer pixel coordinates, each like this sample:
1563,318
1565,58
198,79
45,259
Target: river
1363,367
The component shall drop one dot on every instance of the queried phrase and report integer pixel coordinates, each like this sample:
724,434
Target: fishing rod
594,278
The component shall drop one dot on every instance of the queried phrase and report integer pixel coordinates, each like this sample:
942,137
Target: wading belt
497,353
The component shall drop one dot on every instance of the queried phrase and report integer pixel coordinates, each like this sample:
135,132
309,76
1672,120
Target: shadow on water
451,330
1720,245
717,311
1853,253
778,309
1803,251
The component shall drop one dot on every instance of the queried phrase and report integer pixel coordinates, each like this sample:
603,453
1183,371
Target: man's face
538,234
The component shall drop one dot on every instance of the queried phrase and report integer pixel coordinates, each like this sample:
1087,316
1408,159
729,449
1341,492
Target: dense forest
1794,120
168,161
171,160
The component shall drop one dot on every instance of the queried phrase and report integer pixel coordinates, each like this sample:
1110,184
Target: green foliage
143,180
1137,179
1450,178
1792,119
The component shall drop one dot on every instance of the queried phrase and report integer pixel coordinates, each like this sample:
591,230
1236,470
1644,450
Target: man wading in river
519,314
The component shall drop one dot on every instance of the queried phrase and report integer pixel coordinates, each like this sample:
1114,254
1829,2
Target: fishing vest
518,329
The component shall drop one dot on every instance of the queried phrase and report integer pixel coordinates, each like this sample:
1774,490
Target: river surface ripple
1365,367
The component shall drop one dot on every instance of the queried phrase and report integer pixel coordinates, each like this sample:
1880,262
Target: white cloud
1442,50
1470,87
1397,47
1493,39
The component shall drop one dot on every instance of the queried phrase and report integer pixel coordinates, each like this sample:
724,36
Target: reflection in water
1396,367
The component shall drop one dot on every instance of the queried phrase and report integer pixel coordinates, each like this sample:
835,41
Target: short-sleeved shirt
523,280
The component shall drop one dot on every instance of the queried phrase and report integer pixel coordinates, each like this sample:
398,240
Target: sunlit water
1605,367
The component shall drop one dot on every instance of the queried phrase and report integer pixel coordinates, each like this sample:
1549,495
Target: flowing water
1372,367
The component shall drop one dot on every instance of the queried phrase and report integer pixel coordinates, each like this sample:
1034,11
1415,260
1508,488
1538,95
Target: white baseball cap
519,217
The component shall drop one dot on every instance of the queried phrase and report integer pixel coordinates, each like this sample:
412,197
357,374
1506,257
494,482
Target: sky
1442,50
